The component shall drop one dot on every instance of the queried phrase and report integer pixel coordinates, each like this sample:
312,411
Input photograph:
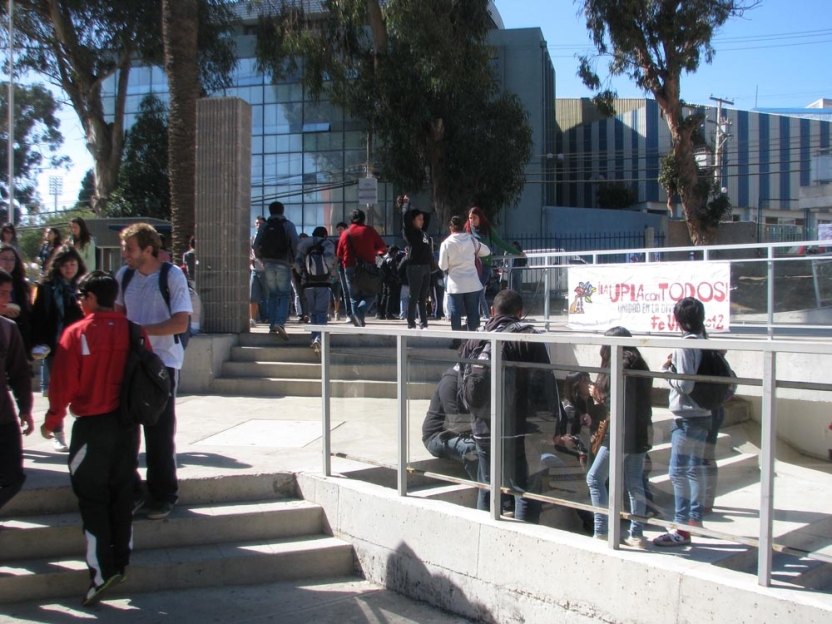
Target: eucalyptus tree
653,43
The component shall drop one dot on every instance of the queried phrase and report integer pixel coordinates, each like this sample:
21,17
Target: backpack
475,377
315,265
274,244
710,395
185,336
145,387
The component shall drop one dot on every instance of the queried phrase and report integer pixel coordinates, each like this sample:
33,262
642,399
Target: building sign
367,190
641,297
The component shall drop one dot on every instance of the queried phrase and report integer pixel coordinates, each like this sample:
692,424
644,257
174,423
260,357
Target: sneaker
93,594
160,511
600,536
278,329
316,346
355,320
59,442
674,537
40,351
635,542
252,323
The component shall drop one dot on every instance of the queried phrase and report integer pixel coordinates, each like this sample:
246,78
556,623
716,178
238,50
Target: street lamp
56,188
11,113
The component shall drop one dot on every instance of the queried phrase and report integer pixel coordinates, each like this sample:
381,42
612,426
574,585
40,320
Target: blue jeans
687,474
468,301
361,301
516,468
459,449
279,286
317,298
634,482
596,479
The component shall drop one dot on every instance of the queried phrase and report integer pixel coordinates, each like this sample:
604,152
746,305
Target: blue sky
777,55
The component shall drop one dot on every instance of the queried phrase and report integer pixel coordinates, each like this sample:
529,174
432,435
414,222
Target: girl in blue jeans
638,414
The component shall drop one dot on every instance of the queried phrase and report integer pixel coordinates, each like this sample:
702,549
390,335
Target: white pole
11,113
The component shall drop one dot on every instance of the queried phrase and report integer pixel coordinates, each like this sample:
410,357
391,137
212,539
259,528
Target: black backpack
274,244
710,395
475,377
145,388
315,264
185,336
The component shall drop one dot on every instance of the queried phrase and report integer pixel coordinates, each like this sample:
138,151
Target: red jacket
366,242
88,367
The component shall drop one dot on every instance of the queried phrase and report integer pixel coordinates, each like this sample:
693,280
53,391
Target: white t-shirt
145,305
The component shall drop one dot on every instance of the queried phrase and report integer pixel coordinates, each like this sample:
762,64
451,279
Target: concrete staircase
229,531
361,366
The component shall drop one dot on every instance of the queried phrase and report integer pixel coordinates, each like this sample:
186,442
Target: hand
586,420
27,423
668,362
46,433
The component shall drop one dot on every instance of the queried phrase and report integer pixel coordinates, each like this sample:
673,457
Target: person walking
56,307
457,256
16,380
359,242
276,245
315,264
418,266
144,303
89,370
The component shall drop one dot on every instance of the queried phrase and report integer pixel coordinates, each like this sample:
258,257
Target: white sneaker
40,351
252,323
59,442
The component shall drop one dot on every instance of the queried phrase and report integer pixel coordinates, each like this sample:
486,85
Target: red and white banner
641,296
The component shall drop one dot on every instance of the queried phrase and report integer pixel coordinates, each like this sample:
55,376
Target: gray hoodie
685,362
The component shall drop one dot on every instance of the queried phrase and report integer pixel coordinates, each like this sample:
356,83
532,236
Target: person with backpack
687,438
357,248
155,295
315,262
528,392
391,283
87,377
276,245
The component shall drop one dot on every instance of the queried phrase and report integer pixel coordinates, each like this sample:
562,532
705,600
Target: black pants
160,453
102,460
11,461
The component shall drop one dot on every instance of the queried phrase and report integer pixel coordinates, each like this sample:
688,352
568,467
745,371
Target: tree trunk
179,32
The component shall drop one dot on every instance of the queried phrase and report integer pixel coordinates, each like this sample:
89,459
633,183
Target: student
83,241
87,377
17,379
318,252
690,430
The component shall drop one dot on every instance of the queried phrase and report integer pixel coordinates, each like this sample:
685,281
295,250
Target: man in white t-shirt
144,303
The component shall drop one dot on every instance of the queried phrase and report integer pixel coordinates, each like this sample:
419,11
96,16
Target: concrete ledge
460,560
203,361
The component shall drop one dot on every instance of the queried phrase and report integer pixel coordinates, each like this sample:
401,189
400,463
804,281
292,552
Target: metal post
326,394
547,293
768,439
401,390
616,458
497,432
770,293
11,215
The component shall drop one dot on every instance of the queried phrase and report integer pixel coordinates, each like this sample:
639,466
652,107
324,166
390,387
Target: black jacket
46,315
421,250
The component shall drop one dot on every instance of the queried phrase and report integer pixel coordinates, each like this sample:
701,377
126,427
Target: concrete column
223,212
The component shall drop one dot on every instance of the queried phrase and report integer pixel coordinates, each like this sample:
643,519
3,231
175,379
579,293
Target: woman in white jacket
457,256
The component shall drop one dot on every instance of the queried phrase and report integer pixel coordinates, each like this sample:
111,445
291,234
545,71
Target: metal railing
767,349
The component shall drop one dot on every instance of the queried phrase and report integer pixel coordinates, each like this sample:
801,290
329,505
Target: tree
144,183
616,195
87,191
37,139
420,79
653,42
79,44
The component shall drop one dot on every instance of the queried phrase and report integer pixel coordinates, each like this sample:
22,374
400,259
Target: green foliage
420,78
86,192
616,195
37,140
144,185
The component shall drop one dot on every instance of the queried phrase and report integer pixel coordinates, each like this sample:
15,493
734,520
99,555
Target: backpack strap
163,287
136,338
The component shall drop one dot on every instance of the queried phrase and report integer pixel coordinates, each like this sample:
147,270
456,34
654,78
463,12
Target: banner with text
641,296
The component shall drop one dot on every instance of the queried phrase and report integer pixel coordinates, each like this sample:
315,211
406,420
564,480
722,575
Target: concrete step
339,371
213,565
62,535
271,386
737,411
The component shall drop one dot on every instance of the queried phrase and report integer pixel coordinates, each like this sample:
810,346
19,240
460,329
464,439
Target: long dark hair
690,314
18,273
9,227
484,228
62,256
632,359
571,385
58,241
84,237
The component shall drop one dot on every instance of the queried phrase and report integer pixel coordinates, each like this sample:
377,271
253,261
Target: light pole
11,113
56,188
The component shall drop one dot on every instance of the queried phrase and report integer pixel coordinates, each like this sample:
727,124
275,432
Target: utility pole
721,138
56,188
11,214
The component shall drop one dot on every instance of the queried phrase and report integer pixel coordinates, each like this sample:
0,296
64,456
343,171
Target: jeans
418,279
516,469
11,461
711,468
468,301
596,480
279,286
361,302
404,299
317,299
634,482
687,449
459,449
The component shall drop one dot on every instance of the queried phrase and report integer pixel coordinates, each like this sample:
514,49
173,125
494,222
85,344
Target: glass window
313,215
270,144
270,94
257,120
294,212
354,140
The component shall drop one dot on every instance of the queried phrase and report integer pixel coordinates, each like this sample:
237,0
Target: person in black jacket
418,266
444,433
56,307
530,403
638,414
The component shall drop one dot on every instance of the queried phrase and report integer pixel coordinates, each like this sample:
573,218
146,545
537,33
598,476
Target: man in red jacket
87,376
359,241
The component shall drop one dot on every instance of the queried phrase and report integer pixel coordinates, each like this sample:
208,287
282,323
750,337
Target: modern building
309,155
770,159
